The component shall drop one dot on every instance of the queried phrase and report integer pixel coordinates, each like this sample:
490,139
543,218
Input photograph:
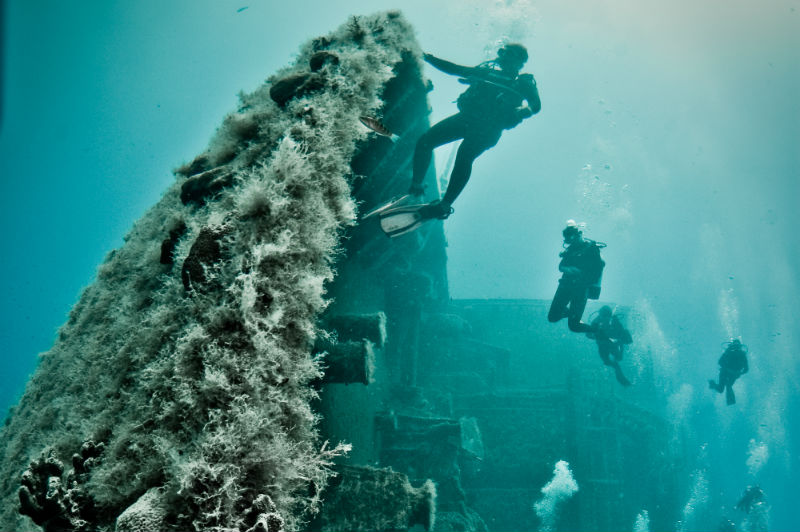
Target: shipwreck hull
190,358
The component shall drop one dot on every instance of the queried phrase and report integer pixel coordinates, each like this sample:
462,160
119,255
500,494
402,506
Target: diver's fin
386,206
402,220
620,376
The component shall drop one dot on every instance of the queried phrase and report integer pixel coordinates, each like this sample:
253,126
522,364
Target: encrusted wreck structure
487,396
248,320
190,358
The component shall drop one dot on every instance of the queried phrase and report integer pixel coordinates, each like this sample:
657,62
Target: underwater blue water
671,129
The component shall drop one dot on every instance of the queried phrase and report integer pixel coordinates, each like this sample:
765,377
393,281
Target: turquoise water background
671,129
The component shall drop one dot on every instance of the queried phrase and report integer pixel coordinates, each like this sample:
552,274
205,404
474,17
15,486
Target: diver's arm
527,86
447,67
570,270
567,263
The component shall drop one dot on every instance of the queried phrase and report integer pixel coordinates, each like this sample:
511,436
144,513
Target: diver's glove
416,189
436,209
524,112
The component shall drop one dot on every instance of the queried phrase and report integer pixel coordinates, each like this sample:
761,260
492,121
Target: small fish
241,9
378,127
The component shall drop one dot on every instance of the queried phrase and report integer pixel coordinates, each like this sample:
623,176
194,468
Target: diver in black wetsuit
492,103
752,496
611,339
582,269
753,503
732,365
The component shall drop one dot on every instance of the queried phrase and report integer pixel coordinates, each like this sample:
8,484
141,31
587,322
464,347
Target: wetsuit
611,339
491,104
752,496
732,365
570,298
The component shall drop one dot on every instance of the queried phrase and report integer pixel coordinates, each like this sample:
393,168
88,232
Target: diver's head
605,312
571,232
735,343
511,57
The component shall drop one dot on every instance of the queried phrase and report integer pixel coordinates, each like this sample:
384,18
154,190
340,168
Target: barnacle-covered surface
189,357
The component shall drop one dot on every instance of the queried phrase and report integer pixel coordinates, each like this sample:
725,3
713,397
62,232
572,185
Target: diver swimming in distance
498,98
756,509
752,496
732,365
582,271
611,338
726,525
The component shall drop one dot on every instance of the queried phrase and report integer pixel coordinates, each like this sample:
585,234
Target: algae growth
189,358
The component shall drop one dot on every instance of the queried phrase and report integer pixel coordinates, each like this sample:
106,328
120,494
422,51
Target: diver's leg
577,305
603,347
612,349
558,308
618,349
606,348
719,386
730,397
450,129
471,147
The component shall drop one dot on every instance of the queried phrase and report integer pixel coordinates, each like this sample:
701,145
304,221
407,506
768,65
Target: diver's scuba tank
593,290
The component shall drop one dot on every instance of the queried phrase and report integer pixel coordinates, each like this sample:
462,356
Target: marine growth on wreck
187,365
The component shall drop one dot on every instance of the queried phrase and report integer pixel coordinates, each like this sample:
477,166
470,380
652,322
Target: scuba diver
756,510
611,339
732,365
726,525
492,103
582,271
752,496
